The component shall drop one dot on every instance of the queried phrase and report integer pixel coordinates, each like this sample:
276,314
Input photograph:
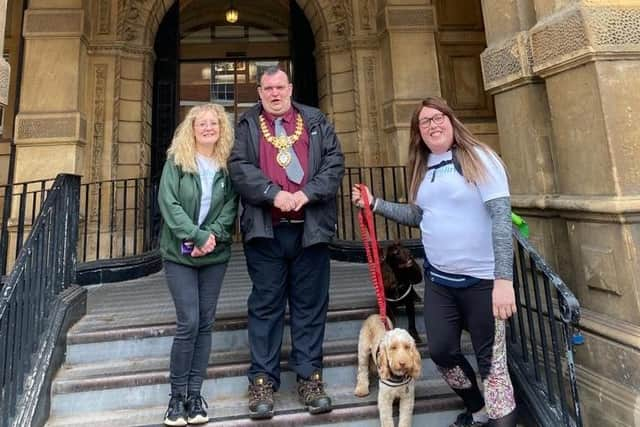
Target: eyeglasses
425,122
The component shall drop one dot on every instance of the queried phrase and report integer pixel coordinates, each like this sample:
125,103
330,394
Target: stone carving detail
585,29
104,17
365,15
614,25
560,38
116,117
50,127
507,62
404,18
130,18
97,148
370,65
97,151
5,72
53,22
342,17
600,269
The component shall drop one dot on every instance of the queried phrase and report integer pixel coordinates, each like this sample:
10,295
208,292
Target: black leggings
447,311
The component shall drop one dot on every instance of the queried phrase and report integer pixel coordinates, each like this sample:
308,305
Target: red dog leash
368,233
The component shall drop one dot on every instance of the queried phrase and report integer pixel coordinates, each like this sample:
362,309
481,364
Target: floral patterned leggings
447,311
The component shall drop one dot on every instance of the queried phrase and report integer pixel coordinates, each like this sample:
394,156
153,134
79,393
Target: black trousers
195,292
447,311
282,272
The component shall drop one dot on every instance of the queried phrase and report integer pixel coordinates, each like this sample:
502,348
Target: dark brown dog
400,272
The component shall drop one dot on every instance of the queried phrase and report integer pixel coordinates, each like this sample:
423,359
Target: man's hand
284,201
503,298
301,199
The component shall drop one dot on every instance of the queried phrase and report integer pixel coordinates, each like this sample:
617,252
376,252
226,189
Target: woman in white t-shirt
459,197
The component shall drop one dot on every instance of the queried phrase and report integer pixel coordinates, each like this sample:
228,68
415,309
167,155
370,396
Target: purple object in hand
187,247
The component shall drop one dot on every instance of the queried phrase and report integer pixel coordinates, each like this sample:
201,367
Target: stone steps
431,410
117,361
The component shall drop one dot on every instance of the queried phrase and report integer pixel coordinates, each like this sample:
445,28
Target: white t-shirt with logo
207,169
456,227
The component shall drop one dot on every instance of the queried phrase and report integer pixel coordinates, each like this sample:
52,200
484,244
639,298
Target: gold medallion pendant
282,143
283,158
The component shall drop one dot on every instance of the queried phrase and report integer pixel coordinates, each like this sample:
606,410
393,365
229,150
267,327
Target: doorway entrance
232,84
200,58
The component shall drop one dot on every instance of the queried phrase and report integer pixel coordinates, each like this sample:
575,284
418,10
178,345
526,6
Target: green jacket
179,200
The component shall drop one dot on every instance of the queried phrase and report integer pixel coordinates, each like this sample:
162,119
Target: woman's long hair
464,145
183,145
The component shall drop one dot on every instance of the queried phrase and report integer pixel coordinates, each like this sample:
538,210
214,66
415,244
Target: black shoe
312,395
195,412
176,414
465,419
261,398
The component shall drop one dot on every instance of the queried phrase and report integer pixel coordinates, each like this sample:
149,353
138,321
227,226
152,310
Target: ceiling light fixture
231,15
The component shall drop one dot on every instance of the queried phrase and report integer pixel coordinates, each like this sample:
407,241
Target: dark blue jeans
195,292
282,272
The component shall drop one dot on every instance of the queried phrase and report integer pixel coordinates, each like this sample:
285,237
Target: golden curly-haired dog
398,362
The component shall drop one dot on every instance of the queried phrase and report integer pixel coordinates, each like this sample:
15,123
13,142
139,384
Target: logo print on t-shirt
440,171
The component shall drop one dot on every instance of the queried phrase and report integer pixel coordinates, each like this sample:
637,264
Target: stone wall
565,78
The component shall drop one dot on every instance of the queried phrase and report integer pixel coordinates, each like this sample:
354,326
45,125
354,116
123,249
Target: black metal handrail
23,199
386,182
44,267
540,334
118,218
541,339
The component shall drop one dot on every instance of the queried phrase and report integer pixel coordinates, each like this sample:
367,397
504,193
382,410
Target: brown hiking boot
261,398
312,395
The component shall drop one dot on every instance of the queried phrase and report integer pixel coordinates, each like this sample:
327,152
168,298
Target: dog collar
396,381
409,288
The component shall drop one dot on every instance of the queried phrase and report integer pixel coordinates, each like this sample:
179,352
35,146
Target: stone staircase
116,367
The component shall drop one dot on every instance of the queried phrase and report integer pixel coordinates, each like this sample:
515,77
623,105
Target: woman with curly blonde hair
459,197
199,208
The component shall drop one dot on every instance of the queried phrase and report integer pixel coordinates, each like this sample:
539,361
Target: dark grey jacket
257,191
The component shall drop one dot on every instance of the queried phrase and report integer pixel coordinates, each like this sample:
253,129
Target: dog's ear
416,362
388,278
384,372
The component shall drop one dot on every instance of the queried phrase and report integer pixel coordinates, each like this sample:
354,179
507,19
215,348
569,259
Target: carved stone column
524,123
588,52
5,82
5,69
365,52
332,22
409,64
50,131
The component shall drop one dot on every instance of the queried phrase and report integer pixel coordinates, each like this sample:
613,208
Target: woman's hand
197,252
356,195
208,247
503,298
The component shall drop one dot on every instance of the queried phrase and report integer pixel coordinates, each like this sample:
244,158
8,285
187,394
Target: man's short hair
270,71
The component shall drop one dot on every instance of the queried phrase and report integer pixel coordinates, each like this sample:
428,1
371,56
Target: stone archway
328,20
93,66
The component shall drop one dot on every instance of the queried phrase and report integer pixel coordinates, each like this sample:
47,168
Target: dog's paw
361,391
